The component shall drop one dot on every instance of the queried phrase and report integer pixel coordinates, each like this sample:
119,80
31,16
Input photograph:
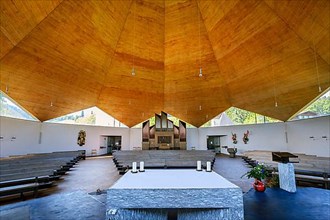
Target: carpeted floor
276,204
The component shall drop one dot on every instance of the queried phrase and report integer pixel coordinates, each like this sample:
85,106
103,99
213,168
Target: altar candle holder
208,166
199,165
141,166
134,170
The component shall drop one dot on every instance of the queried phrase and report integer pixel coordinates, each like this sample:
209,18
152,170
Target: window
9,108
90,116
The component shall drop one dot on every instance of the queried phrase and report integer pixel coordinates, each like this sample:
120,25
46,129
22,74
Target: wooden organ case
164,135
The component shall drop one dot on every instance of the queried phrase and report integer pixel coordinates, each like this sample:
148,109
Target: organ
164,135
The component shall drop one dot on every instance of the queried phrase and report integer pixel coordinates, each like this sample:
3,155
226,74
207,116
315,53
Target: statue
234,138
246,137
81,138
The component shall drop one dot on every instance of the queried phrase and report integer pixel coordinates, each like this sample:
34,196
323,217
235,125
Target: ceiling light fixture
274,78
317,68
315,59
199,43
133,49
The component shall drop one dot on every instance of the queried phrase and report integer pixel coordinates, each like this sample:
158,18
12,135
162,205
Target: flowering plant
259,172
234,138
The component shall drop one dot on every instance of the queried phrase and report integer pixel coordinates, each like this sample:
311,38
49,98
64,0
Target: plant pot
259,186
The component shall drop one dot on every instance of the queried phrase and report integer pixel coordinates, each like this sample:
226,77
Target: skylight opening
10,108
237,116
319,108
89,116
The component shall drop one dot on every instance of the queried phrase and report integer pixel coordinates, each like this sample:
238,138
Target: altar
174,194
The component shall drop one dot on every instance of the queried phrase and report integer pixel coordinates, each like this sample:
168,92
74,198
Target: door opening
113,143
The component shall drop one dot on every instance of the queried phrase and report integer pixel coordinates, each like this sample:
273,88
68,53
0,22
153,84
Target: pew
32,172
161,159
24,185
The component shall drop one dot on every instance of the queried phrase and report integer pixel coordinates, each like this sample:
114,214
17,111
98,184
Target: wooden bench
310,177
20,186
161,159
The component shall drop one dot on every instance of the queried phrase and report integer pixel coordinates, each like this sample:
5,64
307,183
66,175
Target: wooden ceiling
76,54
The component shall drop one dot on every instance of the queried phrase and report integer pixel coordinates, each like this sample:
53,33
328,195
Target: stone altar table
184,194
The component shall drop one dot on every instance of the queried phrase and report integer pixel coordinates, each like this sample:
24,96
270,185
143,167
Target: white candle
134,167
141,166
199,165
208,166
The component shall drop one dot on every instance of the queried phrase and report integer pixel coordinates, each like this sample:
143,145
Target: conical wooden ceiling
61,56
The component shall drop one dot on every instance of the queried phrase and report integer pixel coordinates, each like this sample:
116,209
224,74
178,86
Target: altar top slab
172,179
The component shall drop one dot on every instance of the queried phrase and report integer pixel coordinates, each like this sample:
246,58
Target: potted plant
259,172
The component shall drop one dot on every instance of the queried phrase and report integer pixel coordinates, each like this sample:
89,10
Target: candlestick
199,165
134,170
208,166
141,166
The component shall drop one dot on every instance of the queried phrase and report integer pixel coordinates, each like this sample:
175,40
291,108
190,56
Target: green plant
272,181
260,171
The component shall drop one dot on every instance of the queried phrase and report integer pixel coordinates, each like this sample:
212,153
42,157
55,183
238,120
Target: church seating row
33,172
161,159
310,170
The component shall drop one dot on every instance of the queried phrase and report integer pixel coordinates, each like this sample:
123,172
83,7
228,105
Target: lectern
286,170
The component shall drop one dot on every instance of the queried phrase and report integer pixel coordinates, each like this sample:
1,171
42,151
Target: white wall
26,133
300,133
54,137
262,137
193,138
60,137
271,136
135,138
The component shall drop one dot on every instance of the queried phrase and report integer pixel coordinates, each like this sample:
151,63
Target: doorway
113,143
213,143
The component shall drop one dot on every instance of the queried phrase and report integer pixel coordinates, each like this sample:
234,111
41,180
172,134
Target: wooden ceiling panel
240,23
65,55
187,48
260,91
130,107
309,19
35,88
5,45
133,99
269,46
19,17
74,38
76,54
